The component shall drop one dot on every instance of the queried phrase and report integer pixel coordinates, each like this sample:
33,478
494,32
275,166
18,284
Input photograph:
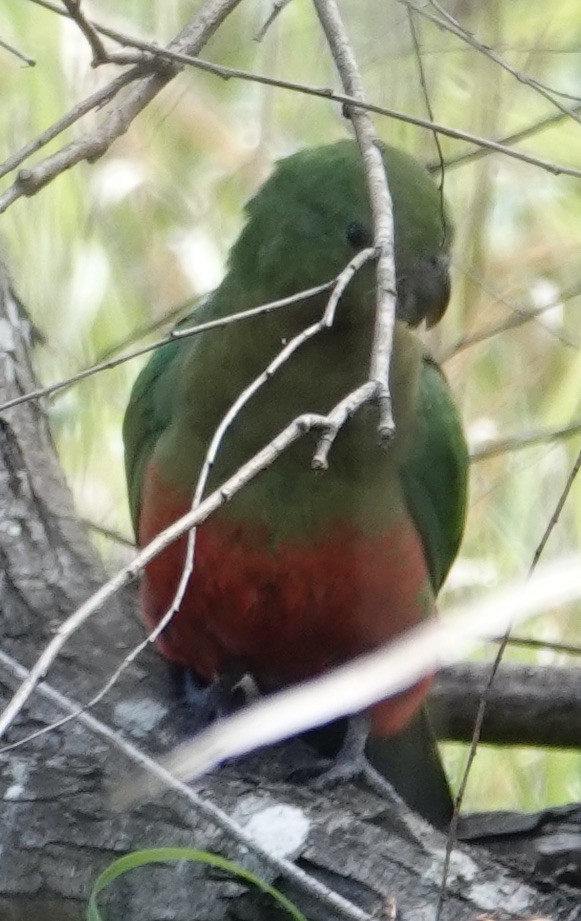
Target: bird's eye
358,235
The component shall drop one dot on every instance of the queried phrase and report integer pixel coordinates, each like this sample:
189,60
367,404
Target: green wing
152,403
148,413
435,473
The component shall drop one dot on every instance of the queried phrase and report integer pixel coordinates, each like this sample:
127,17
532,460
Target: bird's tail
411,762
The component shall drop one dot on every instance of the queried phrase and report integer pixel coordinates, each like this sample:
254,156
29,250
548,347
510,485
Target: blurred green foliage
114,246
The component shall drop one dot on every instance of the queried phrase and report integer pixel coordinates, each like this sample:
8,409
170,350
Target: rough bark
58,828
527,704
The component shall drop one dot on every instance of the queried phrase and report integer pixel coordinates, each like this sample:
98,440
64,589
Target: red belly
285,611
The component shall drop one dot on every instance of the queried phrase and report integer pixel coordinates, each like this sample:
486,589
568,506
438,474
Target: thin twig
19,54
95,143
308,884
100,53
481,712
88,30
557,513
289,301
567,648
426,94
524,440
168,318
519,316
465,35
277,8
94,101
337,418
530,131
175,334
109,533
381,210
451,25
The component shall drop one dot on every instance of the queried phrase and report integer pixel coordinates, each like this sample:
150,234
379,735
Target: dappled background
108,252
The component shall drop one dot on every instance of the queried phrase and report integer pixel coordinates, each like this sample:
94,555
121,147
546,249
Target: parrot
305,569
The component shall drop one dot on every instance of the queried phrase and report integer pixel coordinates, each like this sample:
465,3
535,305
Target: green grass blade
169,854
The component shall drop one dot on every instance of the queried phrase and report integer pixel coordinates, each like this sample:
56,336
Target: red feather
285,610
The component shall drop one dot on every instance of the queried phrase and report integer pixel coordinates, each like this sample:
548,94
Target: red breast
286,610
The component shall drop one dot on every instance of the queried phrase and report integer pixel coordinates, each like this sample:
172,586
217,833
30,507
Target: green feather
297,235
435,473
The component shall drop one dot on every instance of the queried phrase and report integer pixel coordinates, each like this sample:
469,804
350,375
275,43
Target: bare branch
469,37
540,125
450,24
424,86
94,101
519,316
95,143
524,440
221,819
557,512
297,298
19,54
381,209
88,30
347,100
277,8
109,533
337,419
529,642
100,53
527,704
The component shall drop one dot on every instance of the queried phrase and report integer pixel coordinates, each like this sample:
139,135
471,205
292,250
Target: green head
312,215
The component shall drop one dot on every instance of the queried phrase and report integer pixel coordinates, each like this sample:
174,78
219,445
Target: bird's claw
203,702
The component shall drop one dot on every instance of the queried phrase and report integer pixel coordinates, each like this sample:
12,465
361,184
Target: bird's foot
350,763
202,702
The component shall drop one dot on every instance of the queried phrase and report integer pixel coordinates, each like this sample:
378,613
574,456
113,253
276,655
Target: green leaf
169,854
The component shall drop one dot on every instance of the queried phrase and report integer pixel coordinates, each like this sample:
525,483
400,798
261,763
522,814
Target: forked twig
381,210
